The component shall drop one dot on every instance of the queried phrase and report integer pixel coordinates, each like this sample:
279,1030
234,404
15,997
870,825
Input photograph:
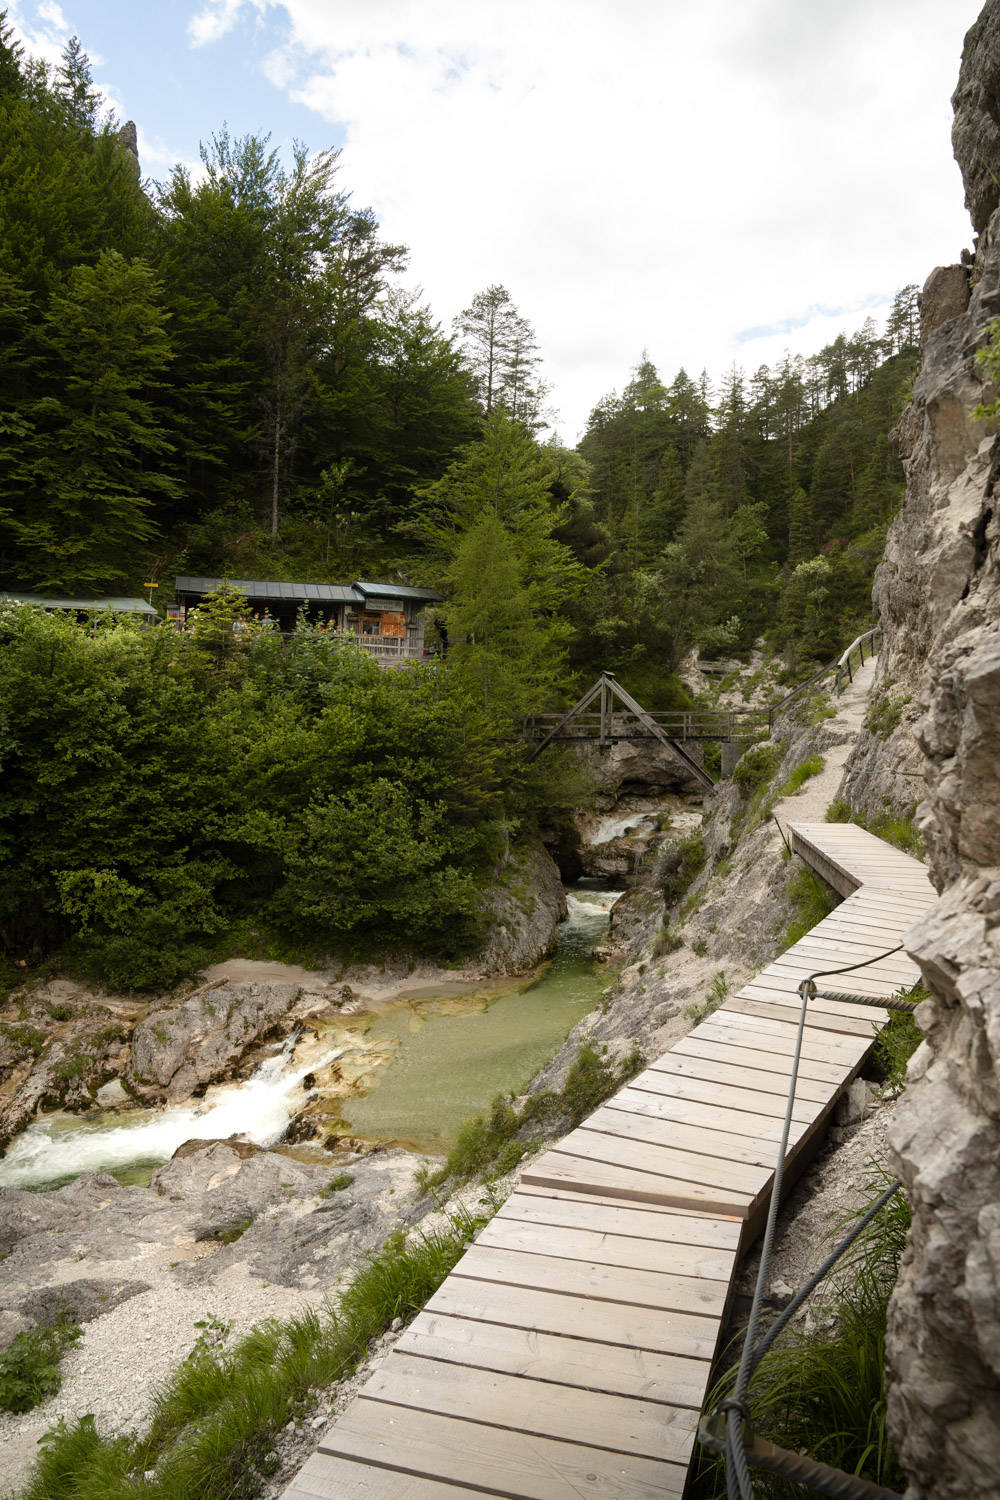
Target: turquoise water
411,1072
448,1065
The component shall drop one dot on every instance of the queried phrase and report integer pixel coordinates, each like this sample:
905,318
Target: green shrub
682,863
839,811
756,770
812,900
60,1012
29,1366
23,1038
700,947
798,777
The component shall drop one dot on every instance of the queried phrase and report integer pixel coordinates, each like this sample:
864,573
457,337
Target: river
410,1072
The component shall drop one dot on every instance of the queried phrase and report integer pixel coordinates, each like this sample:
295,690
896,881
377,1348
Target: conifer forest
223,377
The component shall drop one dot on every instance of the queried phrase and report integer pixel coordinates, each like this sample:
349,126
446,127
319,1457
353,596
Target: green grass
895,825
798,777
336,1185
717,992
822,1393
812,900
235,1231
895,1044
490,1145
885,713
216,1421
29,1366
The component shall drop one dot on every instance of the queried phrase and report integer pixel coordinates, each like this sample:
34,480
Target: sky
708,184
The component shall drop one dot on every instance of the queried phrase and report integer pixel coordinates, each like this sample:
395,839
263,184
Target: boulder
176,1052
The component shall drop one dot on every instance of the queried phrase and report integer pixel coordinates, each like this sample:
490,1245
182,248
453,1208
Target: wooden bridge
569,1352
607,713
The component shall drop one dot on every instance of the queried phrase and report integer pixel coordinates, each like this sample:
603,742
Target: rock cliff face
939,597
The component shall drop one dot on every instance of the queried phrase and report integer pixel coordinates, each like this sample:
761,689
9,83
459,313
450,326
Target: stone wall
938,593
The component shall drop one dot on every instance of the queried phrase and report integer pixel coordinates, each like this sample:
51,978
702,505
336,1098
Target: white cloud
218,17
648,176
53,15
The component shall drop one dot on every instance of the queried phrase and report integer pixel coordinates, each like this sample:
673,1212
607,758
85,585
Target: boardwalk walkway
569,1351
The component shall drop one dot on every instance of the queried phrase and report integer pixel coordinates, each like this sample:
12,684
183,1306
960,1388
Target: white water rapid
618,828
60,1146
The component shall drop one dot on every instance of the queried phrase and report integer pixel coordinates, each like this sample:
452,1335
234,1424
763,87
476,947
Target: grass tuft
822,1392
812,900
717,992
801,773
895,1044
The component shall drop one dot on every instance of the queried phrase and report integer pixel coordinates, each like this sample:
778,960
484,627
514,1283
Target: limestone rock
524,907
945,296
177,1051
938,595
975,133
129,142
644,766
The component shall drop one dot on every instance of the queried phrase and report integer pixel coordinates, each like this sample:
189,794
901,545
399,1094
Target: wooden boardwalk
569,1351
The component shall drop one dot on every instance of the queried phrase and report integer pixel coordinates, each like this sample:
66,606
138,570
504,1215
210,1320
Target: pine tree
83,482
501,349
499,647
11,54
801,538
75,86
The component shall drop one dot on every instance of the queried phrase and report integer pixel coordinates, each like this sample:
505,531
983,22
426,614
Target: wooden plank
615,1323
621,1138
502,1462
323,1477
593,1280
667,1378
615,1119
722,1096
777,1032
613,1218
559,1169
795,968
616,1423
571,1195
740,1075
595,1247
754,1005
708,1117
832,1075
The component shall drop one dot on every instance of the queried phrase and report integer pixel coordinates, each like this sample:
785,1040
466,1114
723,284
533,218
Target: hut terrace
385,619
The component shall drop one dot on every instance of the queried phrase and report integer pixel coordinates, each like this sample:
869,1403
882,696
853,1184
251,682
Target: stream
410,1071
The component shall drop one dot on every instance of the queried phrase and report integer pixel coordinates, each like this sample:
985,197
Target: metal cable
736,1456
892,1002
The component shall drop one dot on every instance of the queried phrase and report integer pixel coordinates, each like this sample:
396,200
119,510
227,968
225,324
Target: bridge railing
845,664
696,724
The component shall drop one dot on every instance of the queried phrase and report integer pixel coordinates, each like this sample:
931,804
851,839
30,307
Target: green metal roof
48,601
